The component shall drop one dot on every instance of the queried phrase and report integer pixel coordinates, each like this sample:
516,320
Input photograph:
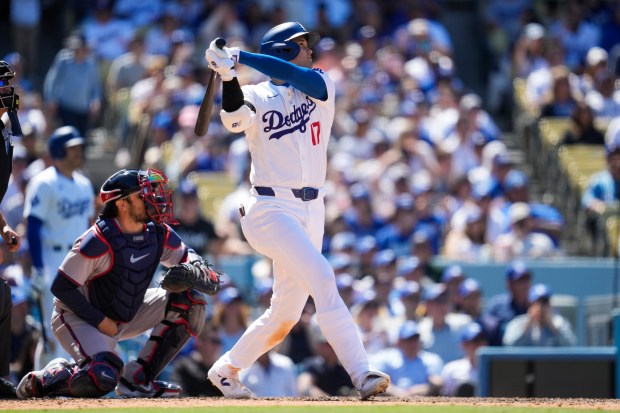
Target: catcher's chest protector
119,293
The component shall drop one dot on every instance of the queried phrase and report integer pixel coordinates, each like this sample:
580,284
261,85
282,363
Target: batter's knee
191,307
97,375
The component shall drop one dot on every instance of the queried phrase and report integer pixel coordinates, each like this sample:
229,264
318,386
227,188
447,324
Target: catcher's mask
150,184
8,98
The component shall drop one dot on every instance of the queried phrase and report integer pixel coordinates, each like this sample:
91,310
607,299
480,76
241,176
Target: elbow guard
239,120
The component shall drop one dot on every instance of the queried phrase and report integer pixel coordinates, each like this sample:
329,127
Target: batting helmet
149,183
61,139
278,42
8,98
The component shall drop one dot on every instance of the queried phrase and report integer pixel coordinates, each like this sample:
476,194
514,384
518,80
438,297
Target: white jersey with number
288,139
65,205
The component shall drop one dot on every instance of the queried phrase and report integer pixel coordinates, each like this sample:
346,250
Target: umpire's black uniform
6,305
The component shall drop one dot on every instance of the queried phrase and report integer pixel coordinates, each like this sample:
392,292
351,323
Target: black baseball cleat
154,389
7,389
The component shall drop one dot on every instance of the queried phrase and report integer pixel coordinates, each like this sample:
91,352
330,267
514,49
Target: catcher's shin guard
97,375
185,317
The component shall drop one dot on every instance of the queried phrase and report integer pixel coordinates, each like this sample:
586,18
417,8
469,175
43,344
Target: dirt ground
594,404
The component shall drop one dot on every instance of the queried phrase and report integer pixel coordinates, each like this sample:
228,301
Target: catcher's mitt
195,275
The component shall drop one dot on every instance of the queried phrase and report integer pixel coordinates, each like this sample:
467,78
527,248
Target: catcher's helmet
278,42
8,98
150,184
61,139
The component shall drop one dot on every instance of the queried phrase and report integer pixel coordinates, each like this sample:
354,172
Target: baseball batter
103,297
287,123
59,206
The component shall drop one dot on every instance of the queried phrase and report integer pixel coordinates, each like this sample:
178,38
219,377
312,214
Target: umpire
9,103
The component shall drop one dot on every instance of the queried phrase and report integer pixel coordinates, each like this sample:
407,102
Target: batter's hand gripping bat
206,107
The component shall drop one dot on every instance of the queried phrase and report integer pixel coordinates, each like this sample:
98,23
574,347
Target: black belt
305,193
58,248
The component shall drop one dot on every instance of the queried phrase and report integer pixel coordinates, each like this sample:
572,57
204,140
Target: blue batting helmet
278,42
61,139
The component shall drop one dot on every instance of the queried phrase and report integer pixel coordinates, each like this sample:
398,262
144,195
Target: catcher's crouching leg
94,377
185,317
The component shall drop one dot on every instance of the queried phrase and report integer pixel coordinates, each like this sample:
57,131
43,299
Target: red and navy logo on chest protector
283,125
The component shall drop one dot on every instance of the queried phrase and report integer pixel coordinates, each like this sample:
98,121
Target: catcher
103,296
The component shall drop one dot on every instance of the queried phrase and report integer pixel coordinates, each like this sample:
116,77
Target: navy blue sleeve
66,291
33,234
306,80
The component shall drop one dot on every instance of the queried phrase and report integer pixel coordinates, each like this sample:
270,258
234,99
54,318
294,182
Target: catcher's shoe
372,383
230,387
38,383
154,389
7,389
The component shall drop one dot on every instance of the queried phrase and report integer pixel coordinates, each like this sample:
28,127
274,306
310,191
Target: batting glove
225,67
225,52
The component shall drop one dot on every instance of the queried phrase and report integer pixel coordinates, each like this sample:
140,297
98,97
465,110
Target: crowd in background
417,167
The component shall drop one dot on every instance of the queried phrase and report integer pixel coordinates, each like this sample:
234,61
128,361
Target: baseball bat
206,106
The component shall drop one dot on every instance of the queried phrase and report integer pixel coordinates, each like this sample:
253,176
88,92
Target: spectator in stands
576,34
74,106
360,216
460,377
272,375
539,326
322,374
25,23
469,243
594,70
601,192
440,326
198,231
528,53
371,328
582,130
397,235
107,36
411,268
405,300
504,307
190,371
521,241
561,100
603,98
141,13
414,372
231,317
452,276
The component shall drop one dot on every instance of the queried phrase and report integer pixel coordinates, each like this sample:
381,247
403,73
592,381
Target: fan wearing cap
540,326
522,241
440,326
193,228
469,243
103,295
528,53
59,207
414,371
503,307
460,377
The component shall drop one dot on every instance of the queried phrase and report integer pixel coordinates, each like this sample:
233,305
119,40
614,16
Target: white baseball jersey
64,205
288,141
289,150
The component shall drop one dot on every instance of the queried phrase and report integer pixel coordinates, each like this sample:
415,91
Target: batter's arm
33,234
306,80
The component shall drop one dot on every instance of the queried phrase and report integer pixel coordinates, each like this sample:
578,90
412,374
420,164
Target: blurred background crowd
424,162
